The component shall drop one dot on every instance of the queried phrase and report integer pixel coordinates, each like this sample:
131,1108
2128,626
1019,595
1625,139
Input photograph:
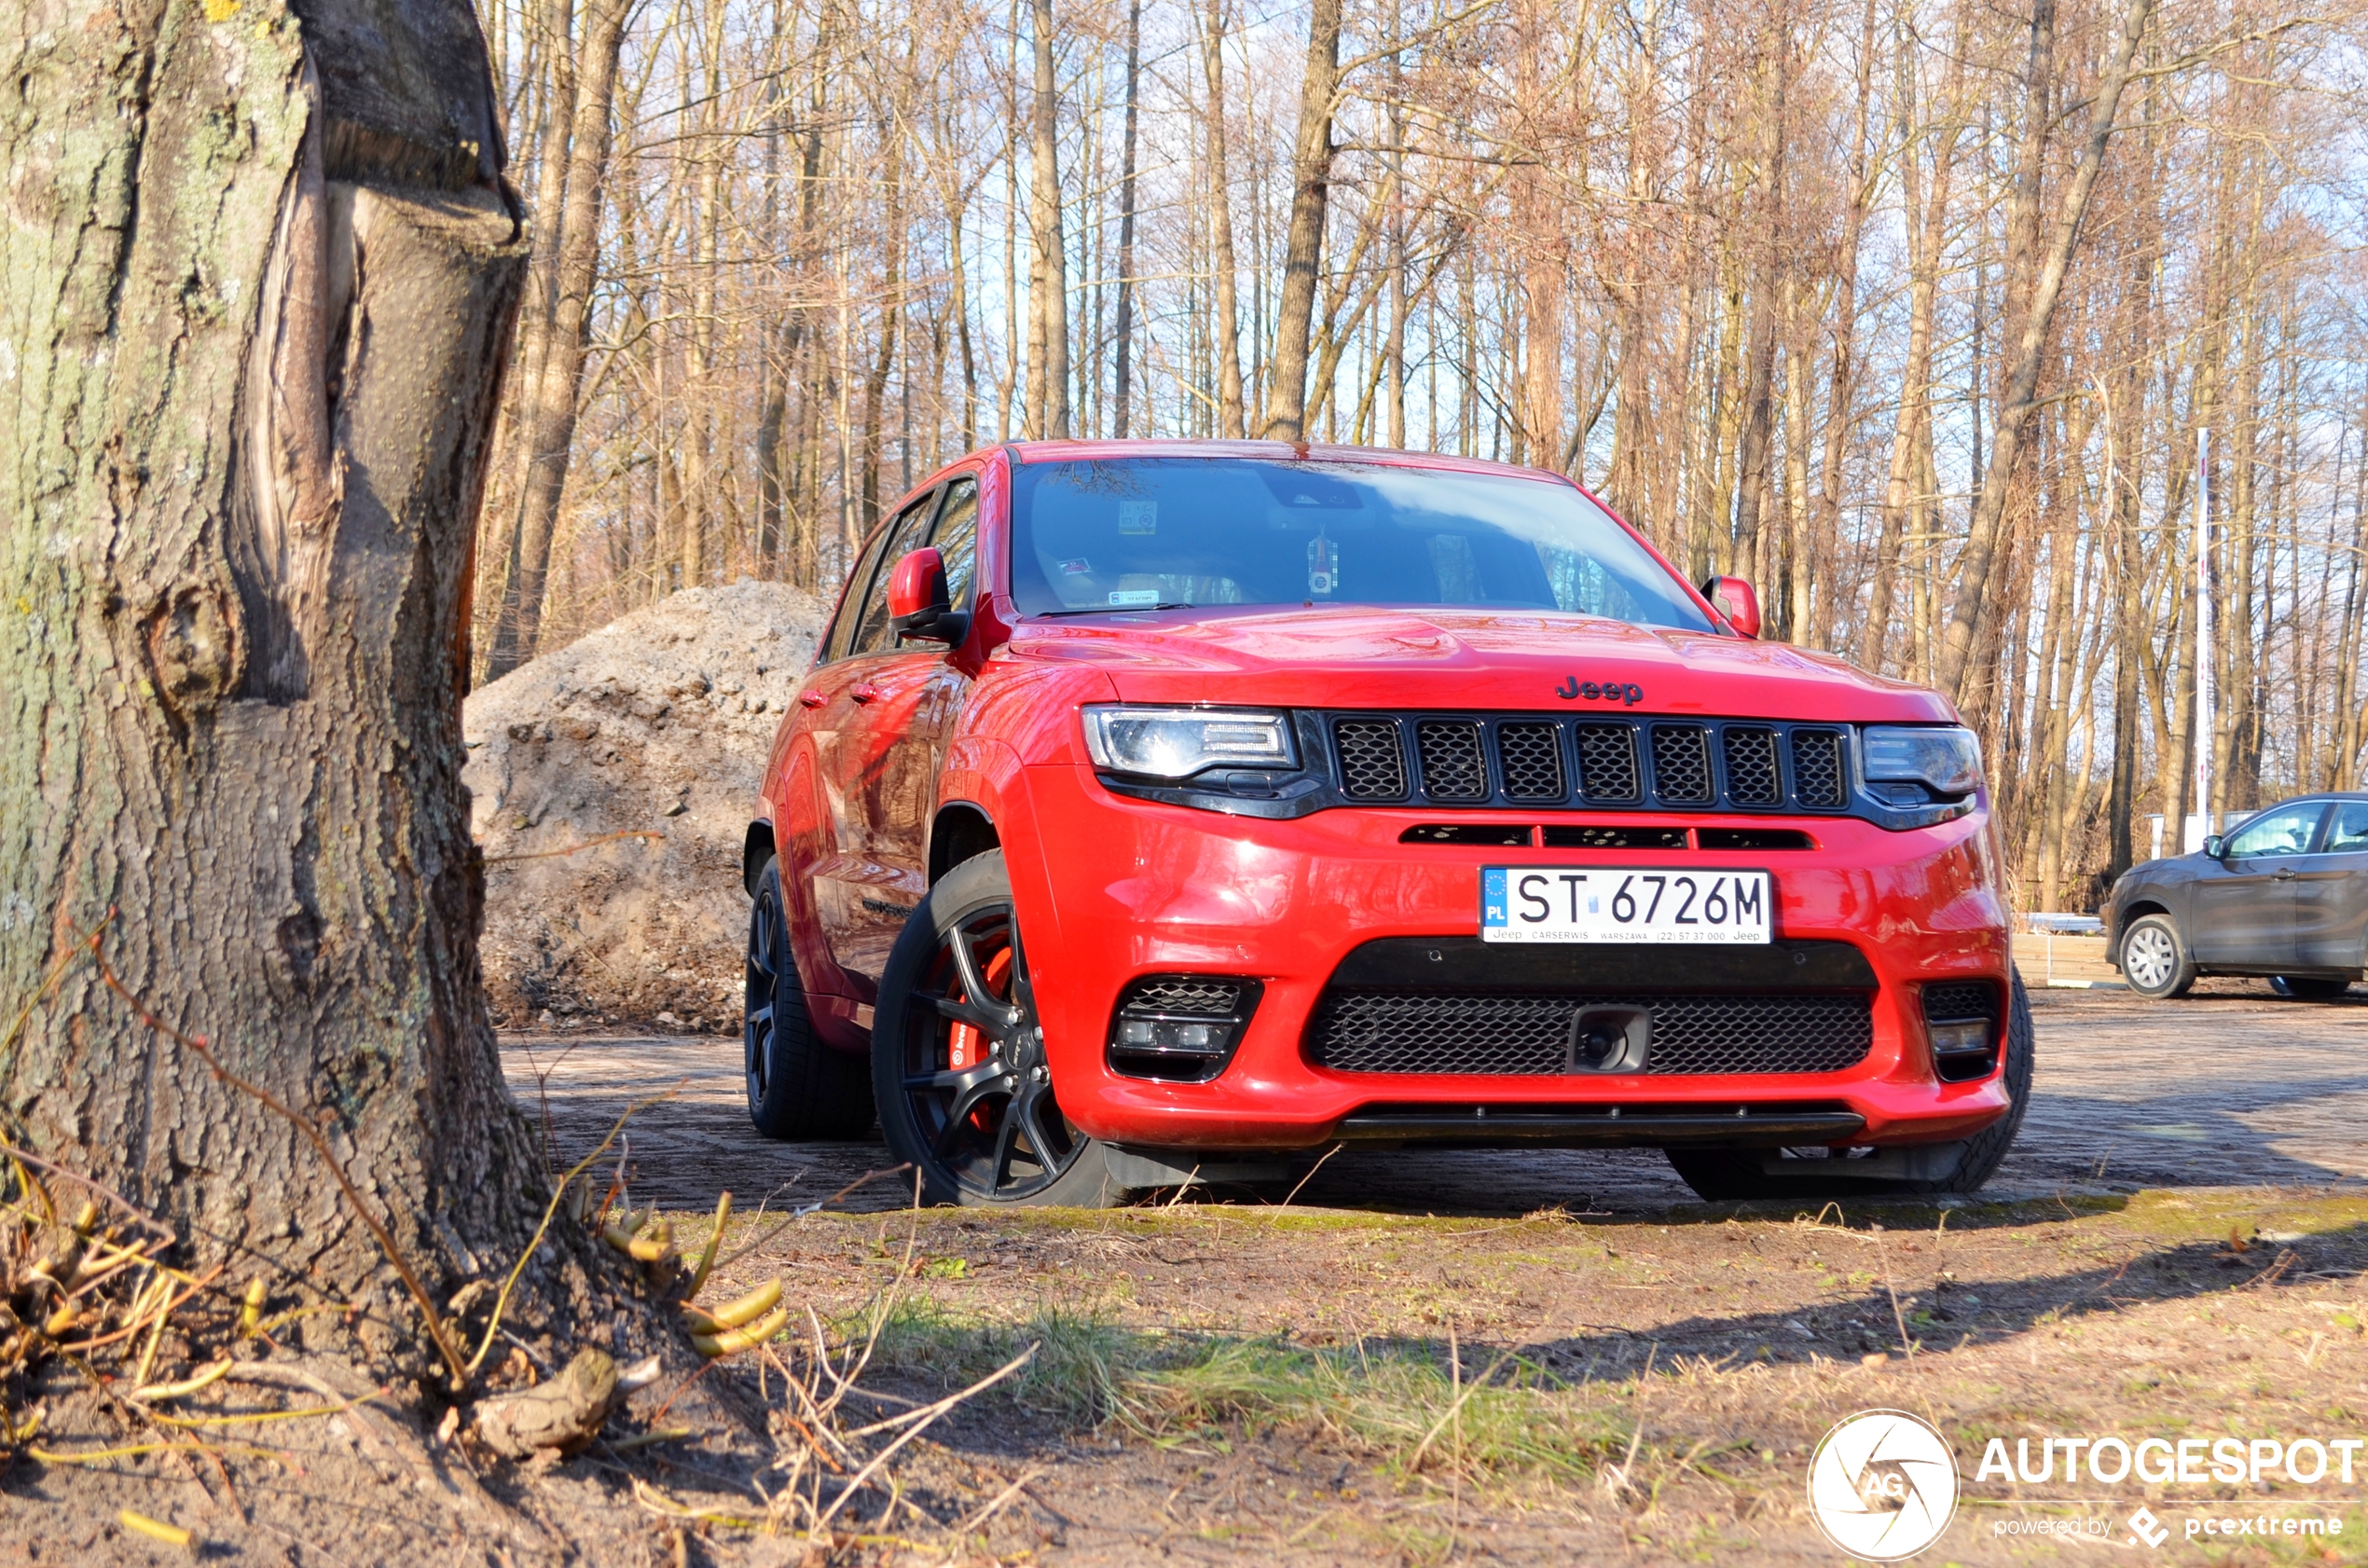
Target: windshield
1133,533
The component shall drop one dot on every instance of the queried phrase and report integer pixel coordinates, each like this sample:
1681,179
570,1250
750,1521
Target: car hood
2169,867
1350,658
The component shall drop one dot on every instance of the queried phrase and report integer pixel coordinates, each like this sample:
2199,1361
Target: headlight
1946,759
1177,742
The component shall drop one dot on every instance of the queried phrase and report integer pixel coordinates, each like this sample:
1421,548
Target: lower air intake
1404,1031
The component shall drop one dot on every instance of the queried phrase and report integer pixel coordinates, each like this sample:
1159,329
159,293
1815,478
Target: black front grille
1681,765
1373,764
1752,776
1451,766
1817,768
1359,1030
1607,764
1474,759
1531,754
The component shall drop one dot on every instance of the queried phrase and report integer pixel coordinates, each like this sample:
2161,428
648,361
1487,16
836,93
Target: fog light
1959,1040
1180,1028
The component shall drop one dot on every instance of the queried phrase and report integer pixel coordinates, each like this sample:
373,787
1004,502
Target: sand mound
657,723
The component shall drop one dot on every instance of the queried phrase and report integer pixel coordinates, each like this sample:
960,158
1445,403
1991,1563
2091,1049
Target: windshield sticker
1138,516
1133,597
1079,567
1323,565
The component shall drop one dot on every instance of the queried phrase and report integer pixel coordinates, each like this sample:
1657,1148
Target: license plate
1621,903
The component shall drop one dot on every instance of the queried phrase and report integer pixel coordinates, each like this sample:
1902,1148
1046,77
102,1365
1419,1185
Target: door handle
2288,875
811,699
867,693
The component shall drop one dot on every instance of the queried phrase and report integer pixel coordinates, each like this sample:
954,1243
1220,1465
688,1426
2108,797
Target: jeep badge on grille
1573,688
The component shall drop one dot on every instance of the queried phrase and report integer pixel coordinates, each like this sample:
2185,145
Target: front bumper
1109,889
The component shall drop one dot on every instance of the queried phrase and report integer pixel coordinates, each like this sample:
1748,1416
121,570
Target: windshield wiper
1112,608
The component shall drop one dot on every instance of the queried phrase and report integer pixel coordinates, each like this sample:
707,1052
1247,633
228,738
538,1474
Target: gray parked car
2284,894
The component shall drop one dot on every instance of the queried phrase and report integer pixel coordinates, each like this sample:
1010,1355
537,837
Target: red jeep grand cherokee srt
1159,808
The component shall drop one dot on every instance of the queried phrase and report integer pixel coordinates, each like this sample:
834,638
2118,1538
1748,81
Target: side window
956,538
851,603
2349,833
907,533
2284,832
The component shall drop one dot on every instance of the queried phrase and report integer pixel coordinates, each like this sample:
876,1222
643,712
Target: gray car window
2285,831
2349,833
912,526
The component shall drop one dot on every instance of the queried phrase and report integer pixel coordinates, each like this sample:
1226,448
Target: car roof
1271,451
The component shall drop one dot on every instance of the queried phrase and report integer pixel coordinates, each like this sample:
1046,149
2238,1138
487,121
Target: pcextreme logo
1882,1485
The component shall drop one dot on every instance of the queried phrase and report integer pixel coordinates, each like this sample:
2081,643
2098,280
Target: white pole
2203,633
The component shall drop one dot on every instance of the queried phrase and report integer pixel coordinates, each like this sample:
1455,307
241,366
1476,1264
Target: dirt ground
1541,1358
1562,1357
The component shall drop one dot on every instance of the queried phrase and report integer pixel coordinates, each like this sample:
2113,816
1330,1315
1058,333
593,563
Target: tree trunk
1231,420
1123,389
2020,393
1303,241
1047,300
249,433
1927,218
546,412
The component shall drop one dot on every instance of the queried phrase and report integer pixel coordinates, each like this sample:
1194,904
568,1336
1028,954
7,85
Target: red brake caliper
964,1046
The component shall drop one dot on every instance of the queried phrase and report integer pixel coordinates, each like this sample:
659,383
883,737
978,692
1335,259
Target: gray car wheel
2154,959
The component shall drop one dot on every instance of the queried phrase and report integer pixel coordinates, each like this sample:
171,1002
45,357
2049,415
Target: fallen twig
929,1413
651,835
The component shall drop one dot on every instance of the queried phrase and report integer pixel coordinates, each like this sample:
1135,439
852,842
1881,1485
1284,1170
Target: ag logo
1882,1485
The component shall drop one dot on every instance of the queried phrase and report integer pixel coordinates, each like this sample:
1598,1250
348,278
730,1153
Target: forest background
1931,317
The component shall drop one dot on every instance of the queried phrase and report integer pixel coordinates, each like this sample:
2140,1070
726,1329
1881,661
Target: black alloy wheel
2308,988
799,1089
1736,1175
959,1065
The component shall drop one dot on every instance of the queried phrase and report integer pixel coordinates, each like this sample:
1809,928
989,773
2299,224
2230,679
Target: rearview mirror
919,604
1733,597
2214,846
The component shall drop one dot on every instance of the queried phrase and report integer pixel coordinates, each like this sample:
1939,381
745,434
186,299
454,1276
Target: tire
1735,1174
2308,988
2154,959
988,1133
799,1089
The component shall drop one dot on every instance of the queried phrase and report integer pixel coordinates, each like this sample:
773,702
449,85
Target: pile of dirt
656,725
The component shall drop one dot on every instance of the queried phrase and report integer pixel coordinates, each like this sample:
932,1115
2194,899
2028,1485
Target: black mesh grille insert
1607,763
1451,766
1753,838
1817,768
1531,758
1373,764
1681,763
1373,1031
1596,835
1961,1000
1180,993
1752,778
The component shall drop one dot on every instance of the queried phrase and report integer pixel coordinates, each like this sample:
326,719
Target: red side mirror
919,604
1733,597
917,582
